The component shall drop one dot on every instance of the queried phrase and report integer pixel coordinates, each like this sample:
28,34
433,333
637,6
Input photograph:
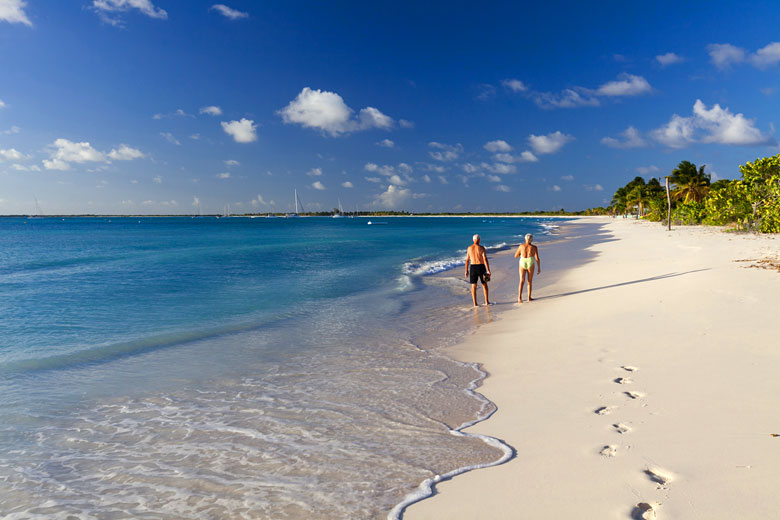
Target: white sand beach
642,384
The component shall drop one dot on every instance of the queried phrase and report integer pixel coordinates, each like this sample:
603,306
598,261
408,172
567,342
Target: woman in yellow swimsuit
528,255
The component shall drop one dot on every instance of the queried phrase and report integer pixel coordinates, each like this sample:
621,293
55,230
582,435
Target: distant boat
37,210
376,223
293,215
340,212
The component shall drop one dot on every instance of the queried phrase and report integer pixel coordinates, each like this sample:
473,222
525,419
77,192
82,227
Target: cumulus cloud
125,153
62,152
223,175
347,184
157,180
12,11
567,177
445,152
527,156
11,154
327,111
393,197
555,187
243,131
714,125
228,12
494,178
625,85
501,168
211,110
550,143
645,170
503,188
170,138
403,123
14,129
108,10
723,55
386,143
515,85
593,187
631,138
314,172
232,162
426,178
766,56
669,58
317,185
497,146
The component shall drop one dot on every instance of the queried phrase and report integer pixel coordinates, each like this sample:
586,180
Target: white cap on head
529,237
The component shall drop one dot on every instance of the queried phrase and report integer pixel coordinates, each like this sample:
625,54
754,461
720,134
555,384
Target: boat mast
296,200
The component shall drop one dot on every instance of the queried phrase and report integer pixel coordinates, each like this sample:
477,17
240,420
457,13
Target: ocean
236,367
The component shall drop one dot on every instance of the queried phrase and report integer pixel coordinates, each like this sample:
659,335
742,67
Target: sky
168,107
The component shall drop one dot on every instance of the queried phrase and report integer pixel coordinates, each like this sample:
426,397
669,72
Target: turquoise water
229,368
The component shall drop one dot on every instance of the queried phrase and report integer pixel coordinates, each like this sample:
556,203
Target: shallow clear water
230,368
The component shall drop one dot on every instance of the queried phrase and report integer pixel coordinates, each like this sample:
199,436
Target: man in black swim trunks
480,269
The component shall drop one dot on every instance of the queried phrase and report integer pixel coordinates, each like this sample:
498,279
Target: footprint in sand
622,380
621,428
644,511
635,395
608,451
629,368
659,476
603,410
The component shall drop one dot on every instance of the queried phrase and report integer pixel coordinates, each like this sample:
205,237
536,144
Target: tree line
751,202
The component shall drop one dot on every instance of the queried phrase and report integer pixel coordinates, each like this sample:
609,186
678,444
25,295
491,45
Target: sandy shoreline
672,338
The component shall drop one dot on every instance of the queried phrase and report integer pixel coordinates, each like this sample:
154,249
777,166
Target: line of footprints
642,510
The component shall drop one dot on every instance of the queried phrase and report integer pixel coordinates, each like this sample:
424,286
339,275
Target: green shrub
688,213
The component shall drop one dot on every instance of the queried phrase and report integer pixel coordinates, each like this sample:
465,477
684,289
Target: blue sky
154,106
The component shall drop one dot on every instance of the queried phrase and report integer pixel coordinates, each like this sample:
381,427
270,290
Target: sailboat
293,215
37,210
340,213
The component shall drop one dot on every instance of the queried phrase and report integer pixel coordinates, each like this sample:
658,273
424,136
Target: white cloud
527,156
2,103
550,143
23,168
170,138
228,12
644,170
498,145
393,197
195,137
11,154
715,125
632,138
593,187
211,110
404,168
223,175
669,58
494,178
157,180
404,123
766,56
567,177
55,164
106,9
515,85
568,98
443,179
723,55
327,112
375,180
314,172
12,11
485,91
426,178
317,185
445,152
232,162
555,187
244,131
259,200
13,129
504,188
125,153
501,168
347,184
386,143
625,85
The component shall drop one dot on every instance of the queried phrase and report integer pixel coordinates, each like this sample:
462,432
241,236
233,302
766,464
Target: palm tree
692,185
639,196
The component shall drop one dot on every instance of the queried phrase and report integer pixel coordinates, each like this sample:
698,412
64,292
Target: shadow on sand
643,280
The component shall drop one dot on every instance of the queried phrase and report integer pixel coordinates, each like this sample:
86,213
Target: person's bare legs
485,288
530,282
520,287
474,293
